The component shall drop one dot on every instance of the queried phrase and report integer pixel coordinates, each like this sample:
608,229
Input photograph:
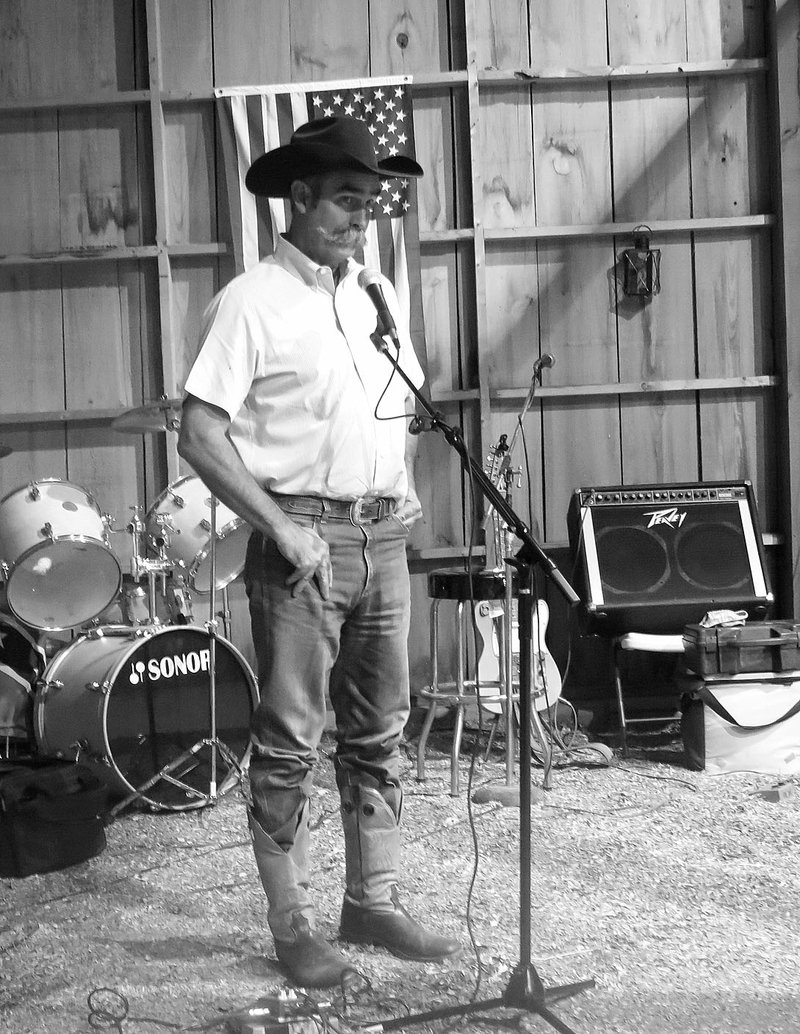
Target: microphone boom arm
530,552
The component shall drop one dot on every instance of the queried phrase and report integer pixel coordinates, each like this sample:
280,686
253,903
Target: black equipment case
52,815
759,646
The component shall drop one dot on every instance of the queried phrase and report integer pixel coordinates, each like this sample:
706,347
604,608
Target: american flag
257,119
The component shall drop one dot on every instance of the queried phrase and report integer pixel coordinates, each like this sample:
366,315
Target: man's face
336,211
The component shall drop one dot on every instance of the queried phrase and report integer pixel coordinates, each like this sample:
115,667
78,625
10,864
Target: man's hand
310,557
410,510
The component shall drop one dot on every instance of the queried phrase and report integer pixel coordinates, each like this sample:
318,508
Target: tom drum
179,523
58,568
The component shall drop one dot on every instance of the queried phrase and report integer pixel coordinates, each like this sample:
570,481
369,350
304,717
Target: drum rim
171,486
40,545
136,636
201,555
51,481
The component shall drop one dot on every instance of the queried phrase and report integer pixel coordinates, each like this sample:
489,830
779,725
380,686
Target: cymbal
153,417
5,450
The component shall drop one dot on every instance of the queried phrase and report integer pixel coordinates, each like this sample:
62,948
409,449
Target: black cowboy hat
323,145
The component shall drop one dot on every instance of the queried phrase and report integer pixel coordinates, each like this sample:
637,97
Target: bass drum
132,701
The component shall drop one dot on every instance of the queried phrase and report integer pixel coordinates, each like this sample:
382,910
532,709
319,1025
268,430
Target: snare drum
179,523
131,701
58,568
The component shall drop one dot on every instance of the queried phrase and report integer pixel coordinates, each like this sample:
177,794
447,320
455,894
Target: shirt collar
310,272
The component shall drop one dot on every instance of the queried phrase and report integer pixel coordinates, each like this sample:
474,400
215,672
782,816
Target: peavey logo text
670,517
168,667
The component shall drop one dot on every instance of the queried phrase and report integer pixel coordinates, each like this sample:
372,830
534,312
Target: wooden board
577,319
251,42
407,38
506,158
554,41
191,197
29,175
329,41
573,161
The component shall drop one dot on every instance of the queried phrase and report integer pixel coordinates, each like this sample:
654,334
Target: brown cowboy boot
372,913
306,956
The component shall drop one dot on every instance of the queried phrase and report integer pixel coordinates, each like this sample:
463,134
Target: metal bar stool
647,643
454,585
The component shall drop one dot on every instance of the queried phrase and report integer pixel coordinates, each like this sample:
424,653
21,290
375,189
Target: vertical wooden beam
783,17
479,242
165,286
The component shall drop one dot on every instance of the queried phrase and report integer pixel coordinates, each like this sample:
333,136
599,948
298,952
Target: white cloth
288,357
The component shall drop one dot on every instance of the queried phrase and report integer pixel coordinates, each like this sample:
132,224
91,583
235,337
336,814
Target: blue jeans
353,645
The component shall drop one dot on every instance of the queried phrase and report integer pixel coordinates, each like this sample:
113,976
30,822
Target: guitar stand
525,989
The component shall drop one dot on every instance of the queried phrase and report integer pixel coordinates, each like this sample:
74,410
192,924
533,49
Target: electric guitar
489,615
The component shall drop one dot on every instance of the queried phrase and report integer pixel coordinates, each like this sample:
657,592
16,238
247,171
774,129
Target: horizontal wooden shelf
707,384
423,81
663,227
114,254
101,99
570,391
606,73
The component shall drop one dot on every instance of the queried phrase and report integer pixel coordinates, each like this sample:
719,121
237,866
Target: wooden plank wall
535,142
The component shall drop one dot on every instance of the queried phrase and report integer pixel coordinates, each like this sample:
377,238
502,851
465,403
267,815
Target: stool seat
454,584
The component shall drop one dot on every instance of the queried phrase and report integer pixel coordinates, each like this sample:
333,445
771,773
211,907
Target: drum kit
156,705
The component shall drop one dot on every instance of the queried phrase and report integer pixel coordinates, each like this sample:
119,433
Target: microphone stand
525,989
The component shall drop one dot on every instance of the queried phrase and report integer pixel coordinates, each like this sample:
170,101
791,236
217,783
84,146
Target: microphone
369,280
542,362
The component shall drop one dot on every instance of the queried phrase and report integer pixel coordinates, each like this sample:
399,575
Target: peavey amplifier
653,558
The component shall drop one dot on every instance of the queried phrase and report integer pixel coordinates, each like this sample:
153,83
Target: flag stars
358,96
383,140
400,115
369,107
349,109
327,112
380,117
385,184
392,150
387,209
379,95
337,99
398,91
401,138
390,104
317,101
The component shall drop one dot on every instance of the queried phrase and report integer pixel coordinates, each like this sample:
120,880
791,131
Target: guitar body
490,618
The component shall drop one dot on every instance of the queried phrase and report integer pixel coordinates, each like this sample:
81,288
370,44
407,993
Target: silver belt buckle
356,507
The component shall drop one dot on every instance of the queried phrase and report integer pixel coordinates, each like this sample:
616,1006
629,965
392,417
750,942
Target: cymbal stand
142,566
525,989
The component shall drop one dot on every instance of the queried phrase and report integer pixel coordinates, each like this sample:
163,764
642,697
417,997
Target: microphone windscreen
368,277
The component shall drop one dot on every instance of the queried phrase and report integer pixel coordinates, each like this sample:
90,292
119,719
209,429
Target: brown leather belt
357,511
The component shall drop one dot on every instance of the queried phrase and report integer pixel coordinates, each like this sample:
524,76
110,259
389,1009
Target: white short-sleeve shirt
289,358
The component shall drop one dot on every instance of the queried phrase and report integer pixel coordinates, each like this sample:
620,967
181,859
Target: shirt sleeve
223,370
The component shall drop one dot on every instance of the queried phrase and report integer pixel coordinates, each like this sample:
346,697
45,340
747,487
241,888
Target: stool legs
623,723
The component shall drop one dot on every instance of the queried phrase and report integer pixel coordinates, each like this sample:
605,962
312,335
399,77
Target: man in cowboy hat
293,419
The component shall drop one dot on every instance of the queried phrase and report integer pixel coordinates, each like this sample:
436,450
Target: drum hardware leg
225,614
165,774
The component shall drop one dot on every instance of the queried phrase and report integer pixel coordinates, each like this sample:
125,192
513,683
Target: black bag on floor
52,815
